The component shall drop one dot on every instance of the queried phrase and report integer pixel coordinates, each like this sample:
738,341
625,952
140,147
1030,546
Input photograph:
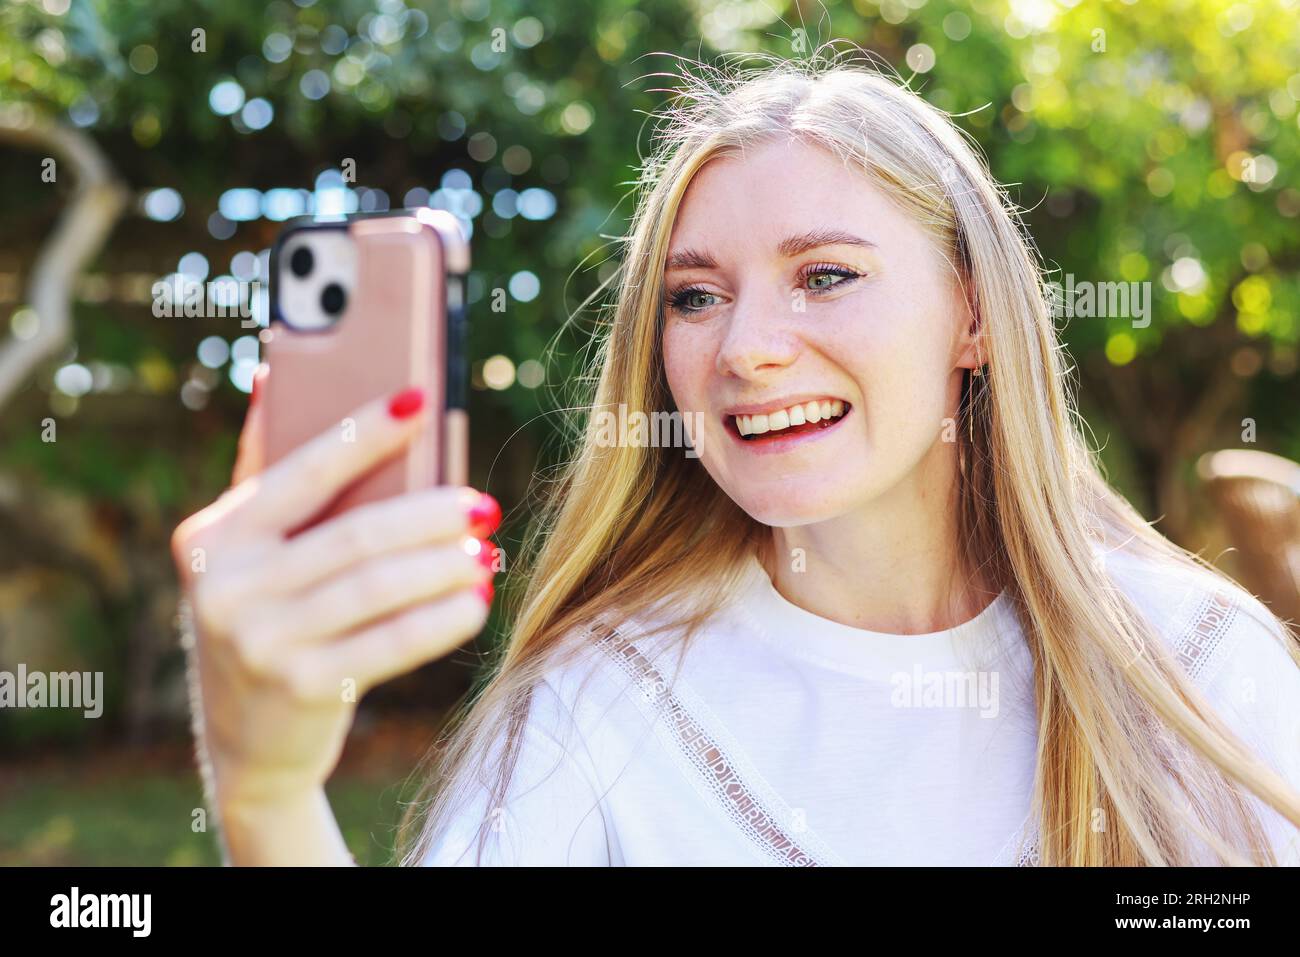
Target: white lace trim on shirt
1213,620
716,765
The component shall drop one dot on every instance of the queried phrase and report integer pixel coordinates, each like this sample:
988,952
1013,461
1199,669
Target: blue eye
686,300
839,274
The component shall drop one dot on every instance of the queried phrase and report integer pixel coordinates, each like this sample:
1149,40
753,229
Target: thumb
249,460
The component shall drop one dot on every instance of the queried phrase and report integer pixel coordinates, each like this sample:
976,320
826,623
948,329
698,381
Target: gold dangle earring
970,404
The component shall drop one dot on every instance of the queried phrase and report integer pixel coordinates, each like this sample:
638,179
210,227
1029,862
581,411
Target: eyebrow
790,246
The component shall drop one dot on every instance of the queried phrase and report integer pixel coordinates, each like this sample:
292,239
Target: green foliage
143,817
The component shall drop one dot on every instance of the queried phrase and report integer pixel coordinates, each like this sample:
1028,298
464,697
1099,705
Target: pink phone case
393,333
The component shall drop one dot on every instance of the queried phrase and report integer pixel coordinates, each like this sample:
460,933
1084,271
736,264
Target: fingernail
257,388
485,591
487,555
485,515
406,403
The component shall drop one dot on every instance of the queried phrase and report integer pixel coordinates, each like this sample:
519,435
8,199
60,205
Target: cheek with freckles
689,355
688,366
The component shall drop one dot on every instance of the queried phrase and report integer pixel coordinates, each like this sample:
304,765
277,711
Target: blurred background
1154,141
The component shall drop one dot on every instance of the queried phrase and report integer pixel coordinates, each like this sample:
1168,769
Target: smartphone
361,308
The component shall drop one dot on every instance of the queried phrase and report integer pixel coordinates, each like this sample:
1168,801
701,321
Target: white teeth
807,412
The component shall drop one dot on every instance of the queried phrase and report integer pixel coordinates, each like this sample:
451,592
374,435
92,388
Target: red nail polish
485,591
406,403
487,554
485,515
257,389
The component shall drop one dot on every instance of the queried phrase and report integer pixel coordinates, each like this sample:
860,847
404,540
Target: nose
760,338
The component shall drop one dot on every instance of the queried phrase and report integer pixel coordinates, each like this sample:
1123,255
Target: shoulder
1237,653
611,657
583,725
1215,628
547,810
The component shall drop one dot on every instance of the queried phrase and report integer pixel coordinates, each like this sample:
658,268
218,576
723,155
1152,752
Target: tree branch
98,199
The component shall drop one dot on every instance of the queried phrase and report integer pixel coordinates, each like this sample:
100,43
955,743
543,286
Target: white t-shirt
789,739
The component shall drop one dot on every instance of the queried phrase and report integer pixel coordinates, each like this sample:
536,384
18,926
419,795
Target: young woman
884,610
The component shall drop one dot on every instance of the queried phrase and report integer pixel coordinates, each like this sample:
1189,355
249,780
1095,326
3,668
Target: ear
968,344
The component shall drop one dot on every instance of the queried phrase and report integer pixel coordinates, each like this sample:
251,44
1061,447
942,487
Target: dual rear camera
332,297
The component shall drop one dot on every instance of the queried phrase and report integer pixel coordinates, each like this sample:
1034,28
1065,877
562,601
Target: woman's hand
293,631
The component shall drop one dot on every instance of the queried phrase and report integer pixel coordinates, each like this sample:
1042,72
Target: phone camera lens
301,261
332,299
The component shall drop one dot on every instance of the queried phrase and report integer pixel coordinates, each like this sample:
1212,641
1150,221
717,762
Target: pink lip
778,445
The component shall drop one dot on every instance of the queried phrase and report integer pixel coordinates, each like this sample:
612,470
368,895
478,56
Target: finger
420,518
378,587
297,487
385,650
249,459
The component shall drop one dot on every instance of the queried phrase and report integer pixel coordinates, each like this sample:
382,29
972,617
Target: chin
791,504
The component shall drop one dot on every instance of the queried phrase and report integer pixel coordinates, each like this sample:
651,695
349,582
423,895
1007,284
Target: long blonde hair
624,528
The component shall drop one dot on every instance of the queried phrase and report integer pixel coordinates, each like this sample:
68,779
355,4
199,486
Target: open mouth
798,419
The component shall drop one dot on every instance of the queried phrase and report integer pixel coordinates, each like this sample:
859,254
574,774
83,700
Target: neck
893,565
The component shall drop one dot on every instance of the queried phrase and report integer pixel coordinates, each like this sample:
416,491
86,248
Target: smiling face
816,332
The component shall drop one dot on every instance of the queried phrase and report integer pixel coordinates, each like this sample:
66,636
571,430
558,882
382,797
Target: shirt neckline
796,631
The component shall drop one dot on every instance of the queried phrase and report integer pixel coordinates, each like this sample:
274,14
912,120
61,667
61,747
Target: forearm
294,831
